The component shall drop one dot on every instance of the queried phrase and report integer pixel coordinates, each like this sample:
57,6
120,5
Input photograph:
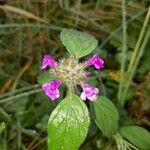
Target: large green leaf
45,77
138,136
106,115
68,124
78,43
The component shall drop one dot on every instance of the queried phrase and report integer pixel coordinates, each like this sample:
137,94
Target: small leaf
106,115
78,43
138,136
45,78
68,124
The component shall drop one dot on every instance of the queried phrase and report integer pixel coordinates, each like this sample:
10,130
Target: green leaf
106,115
78,43
68,124
45,77
138,136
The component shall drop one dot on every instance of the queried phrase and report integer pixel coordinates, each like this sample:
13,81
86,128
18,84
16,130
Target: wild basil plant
69,123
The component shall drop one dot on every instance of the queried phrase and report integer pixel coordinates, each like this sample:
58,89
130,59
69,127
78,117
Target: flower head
70,71
89,92
96,61
51,89
48,61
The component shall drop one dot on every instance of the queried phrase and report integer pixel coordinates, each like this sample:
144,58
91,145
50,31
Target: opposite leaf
78,43
138,136
45,78
68,124
106,115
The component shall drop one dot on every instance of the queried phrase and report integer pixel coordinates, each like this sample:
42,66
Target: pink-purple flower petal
48,61
89,92
51,89
96,61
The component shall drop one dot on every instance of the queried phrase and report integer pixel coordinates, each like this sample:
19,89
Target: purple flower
48,61
51,89
96,61
89,92
71,71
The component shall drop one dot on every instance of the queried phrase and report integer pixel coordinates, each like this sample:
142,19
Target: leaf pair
69,122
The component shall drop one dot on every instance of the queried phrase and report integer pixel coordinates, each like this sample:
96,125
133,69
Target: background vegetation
31,28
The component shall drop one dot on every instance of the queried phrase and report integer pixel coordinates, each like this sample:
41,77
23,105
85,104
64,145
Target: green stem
123,144
20,95
26,88
124,49
33,25
139,41
70,88
131,75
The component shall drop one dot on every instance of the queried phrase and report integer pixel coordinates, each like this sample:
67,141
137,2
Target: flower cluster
70,71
